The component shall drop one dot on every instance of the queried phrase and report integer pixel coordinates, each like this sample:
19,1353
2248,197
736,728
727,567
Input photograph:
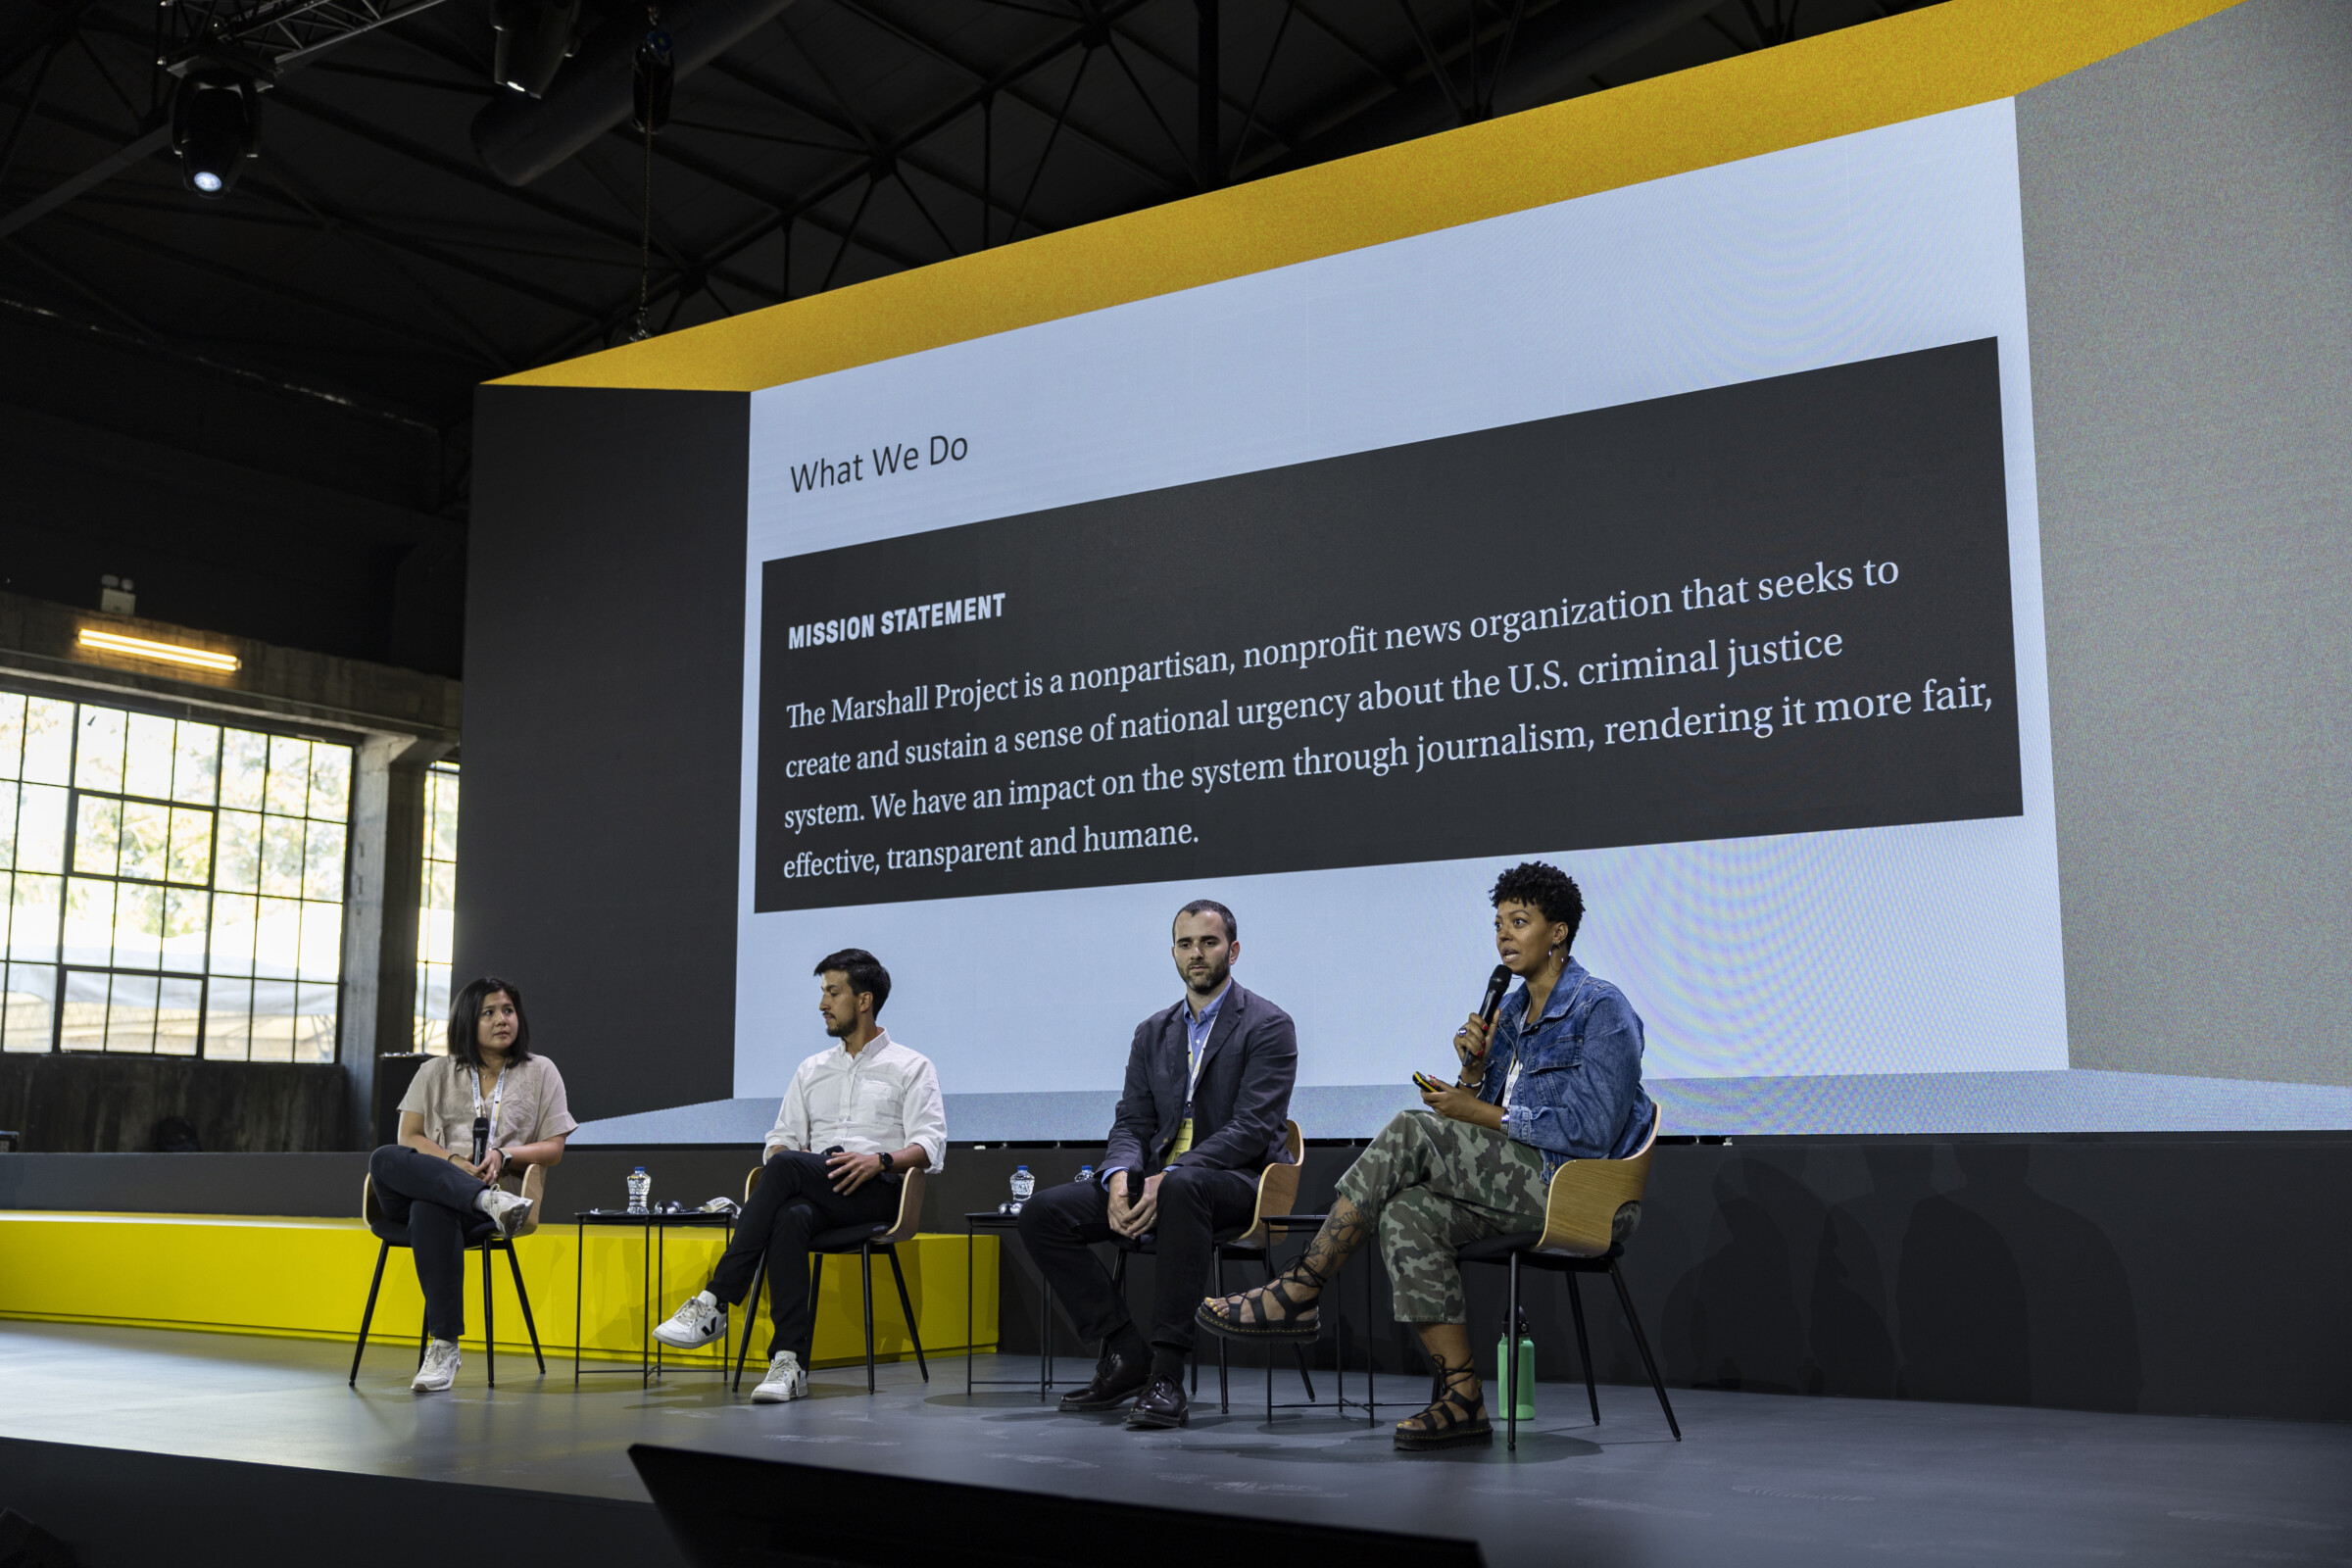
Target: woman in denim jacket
1567,1085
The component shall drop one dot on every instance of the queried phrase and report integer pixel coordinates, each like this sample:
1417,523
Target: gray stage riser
2084,1273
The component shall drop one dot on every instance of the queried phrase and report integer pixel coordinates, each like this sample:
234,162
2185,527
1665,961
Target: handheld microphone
481,1138
1496,984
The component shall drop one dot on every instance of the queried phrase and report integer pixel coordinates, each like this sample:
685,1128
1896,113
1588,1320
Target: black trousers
795,1200
435,1201
1194,1202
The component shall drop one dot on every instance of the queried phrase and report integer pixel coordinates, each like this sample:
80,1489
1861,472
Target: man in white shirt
854,1120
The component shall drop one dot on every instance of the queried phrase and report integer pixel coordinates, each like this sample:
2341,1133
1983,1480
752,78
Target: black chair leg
383,1251
866,1274
1267,1264
816,1282
1625,1299
489,1324
1583,1346
1224,1362
906,1307
750,1320
1298,1352
515,1265
1507,1374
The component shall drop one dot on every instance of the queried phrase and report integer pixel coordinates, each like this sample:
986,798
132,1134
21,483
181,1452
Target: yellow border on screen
1922,62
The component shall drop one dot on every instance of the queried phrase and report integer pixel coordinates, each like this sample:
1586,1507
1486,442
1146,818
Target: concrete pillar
379,992
372,856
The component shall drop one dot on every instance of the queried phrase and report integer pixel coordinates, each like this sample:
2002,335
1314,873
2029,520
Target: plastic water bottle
641,1188
1086,1173
1023,1183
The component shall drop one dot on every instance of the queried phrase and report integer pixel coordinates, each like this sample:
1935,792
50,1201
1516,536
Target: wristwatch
887,1162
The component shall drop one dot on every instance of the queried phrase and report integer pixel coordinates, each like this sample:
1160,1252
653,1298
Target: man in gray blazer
1208,1088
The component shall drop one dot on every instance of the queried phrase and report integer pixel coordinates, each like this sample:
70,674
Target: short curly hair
1542,887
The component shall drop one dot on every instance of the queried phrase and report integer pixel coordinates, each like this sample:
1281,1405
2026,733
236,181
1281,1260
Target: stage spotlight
534,38
216,125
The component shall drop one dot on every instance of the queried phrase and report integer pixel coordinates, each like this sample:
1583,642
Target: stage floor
1761,1479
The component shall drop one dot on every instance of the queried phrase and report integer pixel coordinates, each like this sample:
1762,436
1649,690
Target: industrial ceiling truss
342,198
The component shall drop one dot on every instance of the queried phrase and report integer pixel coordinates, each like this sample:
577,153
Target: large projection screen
1772,544
1685,534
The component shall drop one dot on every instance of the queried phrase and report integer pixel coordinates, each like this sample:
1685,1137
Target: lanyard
497,1095
1192,1056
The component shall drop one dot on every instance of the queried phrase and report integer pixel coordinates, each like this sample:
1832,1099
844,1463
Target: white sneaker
694,1324
506,1211
785,1381
440,1367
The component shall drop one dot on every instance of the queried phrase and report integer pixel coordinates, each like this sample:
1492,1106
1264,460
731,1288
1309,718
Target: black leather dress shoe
1162,1407
1117,1379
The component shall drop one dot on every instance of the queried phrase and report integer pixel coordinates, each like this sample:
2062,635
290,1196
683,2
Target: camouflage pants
1431,1185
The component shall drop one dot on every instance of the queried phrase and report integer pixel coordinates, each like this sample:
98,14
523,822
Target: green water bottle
1520,1388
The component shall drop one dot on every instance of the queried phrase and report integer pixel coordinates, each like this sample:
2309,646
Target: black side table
993,1220
654,1229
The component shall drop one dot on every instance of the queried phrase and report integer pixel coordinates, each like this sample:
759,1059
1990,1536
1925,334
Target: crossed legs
1426,1186
795,1200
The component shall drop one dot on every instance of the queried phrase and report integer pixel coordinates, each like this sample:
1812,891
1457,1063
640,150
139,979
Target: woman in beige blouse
430,1180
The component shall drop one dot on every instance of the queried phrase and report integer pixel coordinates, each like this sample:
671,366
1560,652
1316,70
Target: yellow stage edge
307,1279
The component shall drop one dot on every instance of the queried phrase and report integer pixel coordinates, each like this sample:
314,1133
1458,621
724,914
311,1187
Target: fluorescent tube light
108,642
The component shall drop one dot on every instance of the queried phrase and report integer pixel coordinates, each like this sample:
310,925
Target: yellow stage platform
308,1278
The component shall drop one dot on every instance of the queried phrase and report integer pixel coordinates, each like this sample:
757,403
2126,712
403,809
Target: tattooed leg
1291,1298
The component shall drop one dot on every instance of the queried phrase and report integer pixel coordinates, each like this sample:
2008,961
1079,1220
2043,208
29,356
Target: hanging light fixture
534,39
654,70
216,125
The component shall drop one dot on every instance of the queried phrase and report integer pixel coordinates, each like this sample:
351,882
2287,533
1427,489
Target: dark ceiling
370,263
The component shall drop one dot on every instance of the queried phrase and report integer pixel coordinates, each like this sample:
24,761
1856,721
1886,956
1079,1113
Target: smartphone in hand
1428,1085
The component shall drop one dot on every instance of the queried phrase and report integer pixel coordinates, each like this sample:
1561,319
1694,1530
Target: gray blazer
1239,1105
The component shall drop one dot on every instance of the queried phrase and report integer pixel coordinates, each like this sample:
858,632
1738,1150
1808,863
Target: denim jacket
1580,1094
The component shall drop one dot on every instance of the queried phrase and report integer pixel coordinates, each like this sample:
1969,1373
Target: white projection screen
1685,534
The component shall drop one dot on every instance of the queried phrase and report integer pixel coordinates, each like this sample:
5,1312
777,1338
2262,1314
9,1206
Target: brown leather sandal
1454,1419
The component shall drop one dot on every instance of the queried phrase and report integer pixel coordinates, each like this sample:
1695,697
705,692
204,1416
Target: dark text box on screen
1778,607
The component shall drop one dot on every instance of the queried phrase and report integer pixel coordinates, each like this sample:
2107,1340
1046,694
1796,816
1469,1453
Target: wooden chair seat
863,1240
1590,1209
1277,1196
482,1238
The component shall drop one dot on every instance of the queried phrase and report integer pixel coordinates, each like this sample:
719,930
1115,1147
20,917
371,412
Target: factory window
437,907
172,888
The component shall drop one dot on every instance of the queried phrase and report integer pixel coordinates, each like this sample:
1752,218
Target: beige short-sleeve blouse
530,1104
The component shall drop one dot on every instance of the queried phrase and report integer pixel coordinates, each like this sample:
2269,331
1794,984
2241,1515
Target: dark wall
84,1102
2168,1275
597,850
2156,1274
232,508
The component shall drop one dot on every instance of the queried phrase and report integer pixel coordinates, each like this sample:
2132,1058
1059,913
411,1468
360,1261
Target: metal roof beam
1003,83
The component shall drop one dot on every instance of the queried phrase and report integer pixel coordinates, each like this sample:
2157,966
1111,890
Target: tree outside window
169,887
437,907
